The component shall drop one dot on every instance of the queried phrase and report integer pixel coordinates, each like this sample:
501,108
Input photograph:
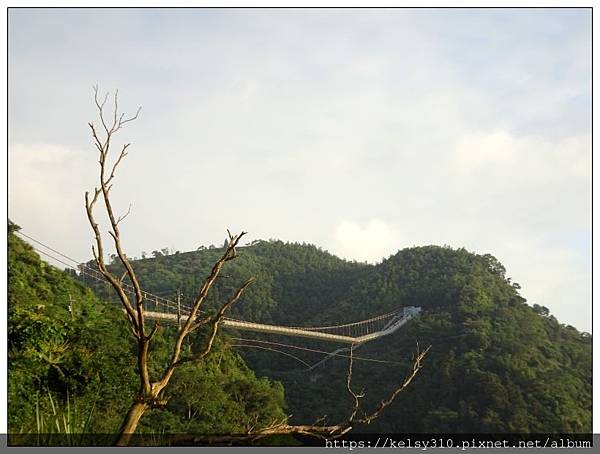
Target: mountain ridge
500,361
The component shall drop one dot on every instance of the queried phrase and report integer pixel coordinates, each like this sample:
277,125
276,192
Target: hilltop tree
152,389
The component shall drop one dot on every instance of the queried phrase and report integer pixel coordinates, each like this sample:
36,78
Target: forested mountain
72,366
496,364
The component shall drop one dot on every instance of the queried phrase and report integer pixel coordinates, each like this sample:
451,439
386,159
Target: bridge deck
261,327
295,332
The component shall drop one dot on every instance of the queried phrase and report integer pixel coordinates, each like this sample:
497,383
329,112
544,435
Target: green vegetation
496,364
72,366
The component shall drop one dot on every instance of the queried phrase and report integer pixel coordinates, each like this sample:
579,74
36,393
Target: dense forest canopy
497,364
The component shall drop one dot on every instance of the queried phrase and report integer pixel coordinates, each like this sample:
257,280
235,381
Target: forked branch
337,430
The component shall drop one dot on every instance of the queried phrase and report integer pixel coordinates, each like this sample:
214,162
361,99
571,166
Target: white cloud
475,150
550,275
42,177
535,158
46,187
371,243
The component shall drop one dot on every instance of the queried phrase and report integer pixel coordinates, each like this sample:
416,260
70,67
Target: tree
12,227
541,310
151,392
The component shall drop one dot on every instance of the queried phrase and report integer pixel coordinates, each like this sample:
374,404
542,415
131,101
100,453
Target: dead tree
318,429
353,420
151,392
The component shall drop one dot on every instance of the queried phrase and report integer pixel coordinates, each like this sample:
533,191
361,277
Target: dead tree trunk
130,422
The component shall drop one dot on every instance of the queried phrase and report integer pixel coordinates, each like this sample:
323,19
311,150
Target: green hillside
72,367
496,364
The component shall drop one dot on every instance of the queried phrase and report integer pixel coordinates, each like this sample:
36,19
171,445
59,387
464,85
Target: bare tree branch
355,396
99,257
154,330
214,321
100,106
117,162
127,120
417,365
124,215
116,110
189,324
337,430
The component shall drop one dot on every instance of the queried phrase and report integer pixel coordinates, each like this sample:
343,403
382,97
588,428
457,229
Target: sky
360,131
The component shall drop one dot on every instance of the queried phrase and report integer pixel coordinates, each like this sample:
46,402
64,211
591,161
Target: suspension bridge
387,324
160,308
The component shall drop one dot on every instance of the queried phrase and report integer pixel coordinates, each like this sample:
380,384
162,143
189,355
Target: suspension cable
316,351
